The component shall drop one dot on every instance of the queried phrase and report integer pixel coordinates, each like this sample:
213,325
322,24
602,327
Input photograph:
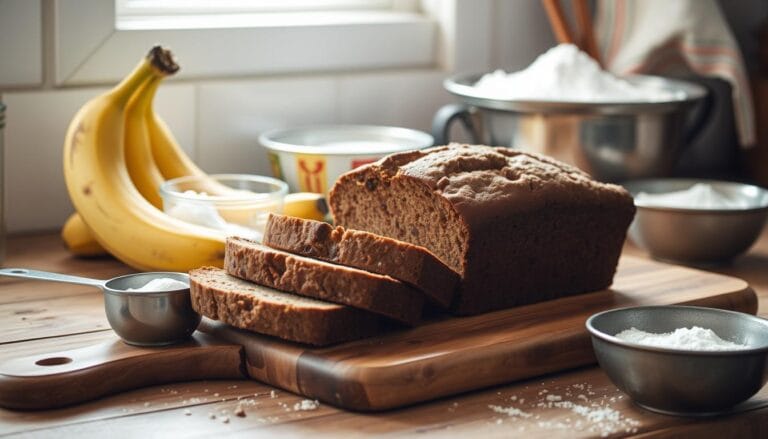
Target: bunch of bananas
117,152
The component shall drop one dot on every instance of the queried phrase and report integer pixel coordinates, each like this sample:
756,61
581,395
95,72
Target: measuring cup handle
24,273
441,124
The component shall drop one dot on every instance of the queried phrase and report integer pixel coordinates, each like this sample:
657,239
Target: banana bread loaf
406,262
517,227
309,277
246,305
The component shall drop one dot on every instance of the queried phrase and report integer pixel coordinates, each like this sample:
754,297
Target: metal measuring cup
143,318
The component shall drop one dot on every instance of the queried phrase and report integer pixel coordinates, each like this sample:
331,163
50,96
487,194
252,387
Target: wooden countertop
37,320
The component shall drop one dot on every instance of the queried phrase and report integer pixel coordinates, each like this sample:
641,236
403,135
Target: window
240,37
128,8
200,14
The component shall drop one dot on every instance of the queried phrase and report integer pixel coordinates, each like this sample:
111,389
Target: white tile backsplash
407,98
35,195
21,43
175,104
232,114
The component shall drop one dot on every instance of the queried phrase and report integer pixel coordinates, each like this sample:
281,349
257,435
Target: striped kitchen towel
664,37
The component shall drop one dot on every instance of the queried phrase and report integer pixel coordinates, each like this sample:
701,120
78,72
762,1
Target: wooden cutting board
437,359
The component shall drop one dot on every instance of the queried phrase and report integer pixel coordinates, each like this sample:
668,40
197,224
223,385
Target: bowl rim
462,85
637,346
687,210
277,195
177,275
267,139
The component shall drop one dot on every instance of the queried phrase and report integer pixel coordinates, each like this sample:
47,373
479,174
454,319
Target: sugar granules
692,339
510,411
306,404
596,417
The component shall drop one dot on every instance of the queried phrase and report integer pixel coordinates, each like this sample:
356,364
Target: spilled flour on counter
306,404
576,408
509,411
691,339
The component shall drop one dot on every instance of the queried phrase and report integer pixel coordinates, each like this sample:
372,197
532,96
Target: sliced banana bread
517,227
309,277
403,261
246,305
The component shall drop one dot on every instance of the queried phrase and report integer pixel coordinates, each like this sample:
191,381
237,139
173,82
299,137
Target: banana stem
162,59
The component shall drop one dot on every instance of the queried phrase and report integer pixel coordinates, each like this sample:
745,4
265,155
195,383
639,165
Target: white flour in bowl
161,284
691,339
698,196
565,73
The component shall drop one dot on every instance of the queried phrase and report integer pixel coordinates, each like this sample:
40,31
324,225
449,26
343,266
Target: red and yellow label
312,171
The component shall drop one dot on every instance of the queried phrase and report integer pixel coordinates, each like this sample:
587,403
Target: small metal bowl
682,382
149,318
698,236
142,318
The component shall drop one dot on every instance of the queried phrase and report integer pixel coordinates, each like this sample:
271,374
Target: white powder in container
566,74
698,196
207,215
160,284
691,339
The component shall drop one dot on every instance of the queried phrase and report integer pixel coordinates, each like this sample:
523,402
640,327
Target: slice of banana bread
517,227
309,277
403,261
246,305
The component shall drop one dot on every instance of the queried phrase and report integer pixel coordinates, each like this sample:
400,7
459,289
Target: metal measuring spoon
143,318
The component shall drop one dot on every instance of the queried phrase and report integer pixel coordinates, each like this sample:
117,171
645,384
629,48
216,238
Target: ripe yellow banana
173,161
141,167
78,238
122,221
138,151
169,157
80,241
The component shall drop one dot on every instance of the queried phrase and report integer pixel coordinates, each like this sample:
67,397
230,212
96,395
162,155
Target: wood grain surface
455,355
206,409
445,357
57,379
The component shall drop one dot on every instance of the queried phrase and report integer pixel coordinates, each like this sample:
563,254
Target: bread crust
309,277
252,307
518,227
403,261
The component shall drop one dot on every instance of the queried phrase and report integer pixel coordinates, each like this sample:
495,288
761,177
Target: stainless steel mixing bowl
682,382
700,237
142,318
611,141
